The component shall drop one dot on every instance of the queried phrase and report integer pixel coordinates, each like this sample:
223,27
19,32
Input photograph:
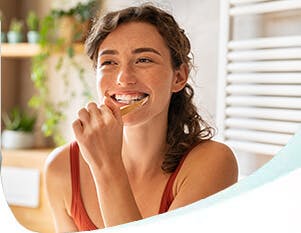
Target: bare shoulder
57,175
208,168
58,188
211,157
212,152
57,161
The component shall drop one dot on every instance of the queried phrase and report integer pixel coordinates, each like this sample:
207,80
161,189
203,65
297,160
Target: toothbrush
128,108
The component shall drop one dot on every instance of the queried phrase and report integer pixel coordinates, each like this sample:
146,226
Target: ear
180,78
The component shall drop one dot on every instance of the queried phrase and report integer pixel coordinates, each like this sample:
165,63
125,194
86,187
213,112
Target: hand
98,131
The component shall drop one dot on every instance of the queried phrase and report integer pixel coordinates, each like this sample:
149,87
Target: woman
154,159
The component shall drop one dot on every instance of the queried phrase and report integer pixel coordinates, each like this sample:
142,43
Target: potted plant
3,36
14,34
50,42
19,129
74,18
32,22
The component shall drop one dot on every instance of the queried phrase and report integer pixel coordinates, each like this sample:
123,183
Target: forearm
99,132
115,195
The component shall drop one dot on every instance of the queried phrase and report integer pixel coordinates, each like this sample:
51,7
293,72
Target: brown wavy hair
185,126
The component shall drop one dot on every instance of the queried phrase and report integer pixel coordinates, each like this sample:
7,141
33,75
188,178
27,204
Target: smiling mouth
129,108
129,99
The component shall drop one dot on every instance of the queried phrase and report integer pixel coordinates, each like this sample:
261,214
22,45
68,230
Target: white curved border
273,207
269,200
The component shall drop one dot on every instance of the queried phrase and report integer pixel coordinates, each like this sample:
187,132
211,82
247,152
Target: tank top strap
168,197
78,210
75,175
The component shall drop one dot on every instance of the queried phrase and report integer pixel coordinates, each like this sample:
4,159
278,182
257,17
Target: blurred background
247,80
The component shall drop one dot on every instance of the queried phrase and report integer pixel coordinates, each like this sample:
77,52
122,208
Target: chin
139,117
134,120
142,118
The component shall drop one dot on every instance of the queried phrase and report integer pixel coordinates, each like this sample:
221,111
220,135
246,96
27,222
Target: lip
111,95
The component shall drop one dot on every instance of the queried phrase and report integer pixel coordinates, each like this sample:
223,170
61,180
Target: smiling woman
157,157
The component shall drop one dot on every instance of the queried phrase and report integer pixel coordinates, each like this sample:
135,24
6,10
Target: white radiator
259,85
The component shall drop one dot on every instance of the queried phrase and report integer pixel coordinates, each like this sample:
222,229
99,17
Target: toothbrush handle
128,108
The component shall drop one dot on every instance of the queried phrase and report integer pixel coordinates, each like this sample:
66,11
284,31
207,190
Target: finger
77,127
114,109
93,109
83,115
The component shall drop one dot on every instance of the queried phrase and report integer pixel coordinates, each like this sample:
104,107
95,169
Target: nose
126,76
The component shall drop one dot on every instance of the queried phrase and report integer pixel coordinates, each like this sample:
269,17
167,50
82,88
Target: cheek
102,83
163,83
99,83
162,90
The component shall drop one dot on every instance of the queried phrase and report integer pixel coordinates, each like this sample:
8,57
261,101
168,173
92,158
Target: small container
33,37
3,37
14,37
17,139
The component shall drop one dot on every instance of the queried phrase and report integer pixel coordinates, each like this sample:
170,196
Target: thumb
115,110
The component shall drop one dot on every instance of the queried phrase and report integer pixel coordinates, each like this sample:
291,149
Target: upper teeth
129,98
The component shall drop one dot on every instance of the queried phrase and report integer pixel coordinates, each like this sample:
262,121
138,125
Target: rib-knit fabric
78,211
168,197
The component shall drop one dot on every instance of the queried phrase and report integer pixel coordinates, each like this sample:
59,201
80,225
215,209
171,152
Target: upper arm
206,171
55,179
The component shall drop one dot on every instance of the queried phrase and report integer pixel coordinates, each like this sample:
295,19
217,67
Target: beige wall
58,92
8,71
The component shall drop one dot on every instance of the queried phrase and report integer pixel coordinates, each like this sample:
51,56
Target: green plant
18,120
81,11
16,25
54,112
32,21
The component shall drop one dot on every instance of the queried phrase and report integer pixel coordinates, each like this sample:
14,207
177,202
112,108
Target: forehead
133,35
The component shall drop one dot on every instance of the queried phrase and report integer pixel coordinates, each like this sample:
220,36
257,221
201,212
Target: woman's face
134,63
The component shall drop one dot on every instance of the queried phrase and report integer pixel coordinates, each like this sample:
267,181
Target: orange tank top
78,211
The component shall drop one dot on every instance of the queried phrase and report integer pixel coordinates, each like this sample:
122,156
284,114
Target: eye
144,60
107,62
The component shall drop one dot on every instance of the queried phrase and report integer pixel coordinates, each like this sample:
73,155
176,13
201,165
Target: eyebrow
108,52
135,51
146,49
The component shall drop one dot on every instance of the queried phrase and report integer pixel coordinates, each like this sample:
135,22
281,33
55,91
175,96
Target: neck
144,147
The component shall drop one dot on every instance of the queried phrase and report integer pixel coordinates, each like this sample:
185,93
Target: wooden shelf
26,50
36,219
16,156
19,50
